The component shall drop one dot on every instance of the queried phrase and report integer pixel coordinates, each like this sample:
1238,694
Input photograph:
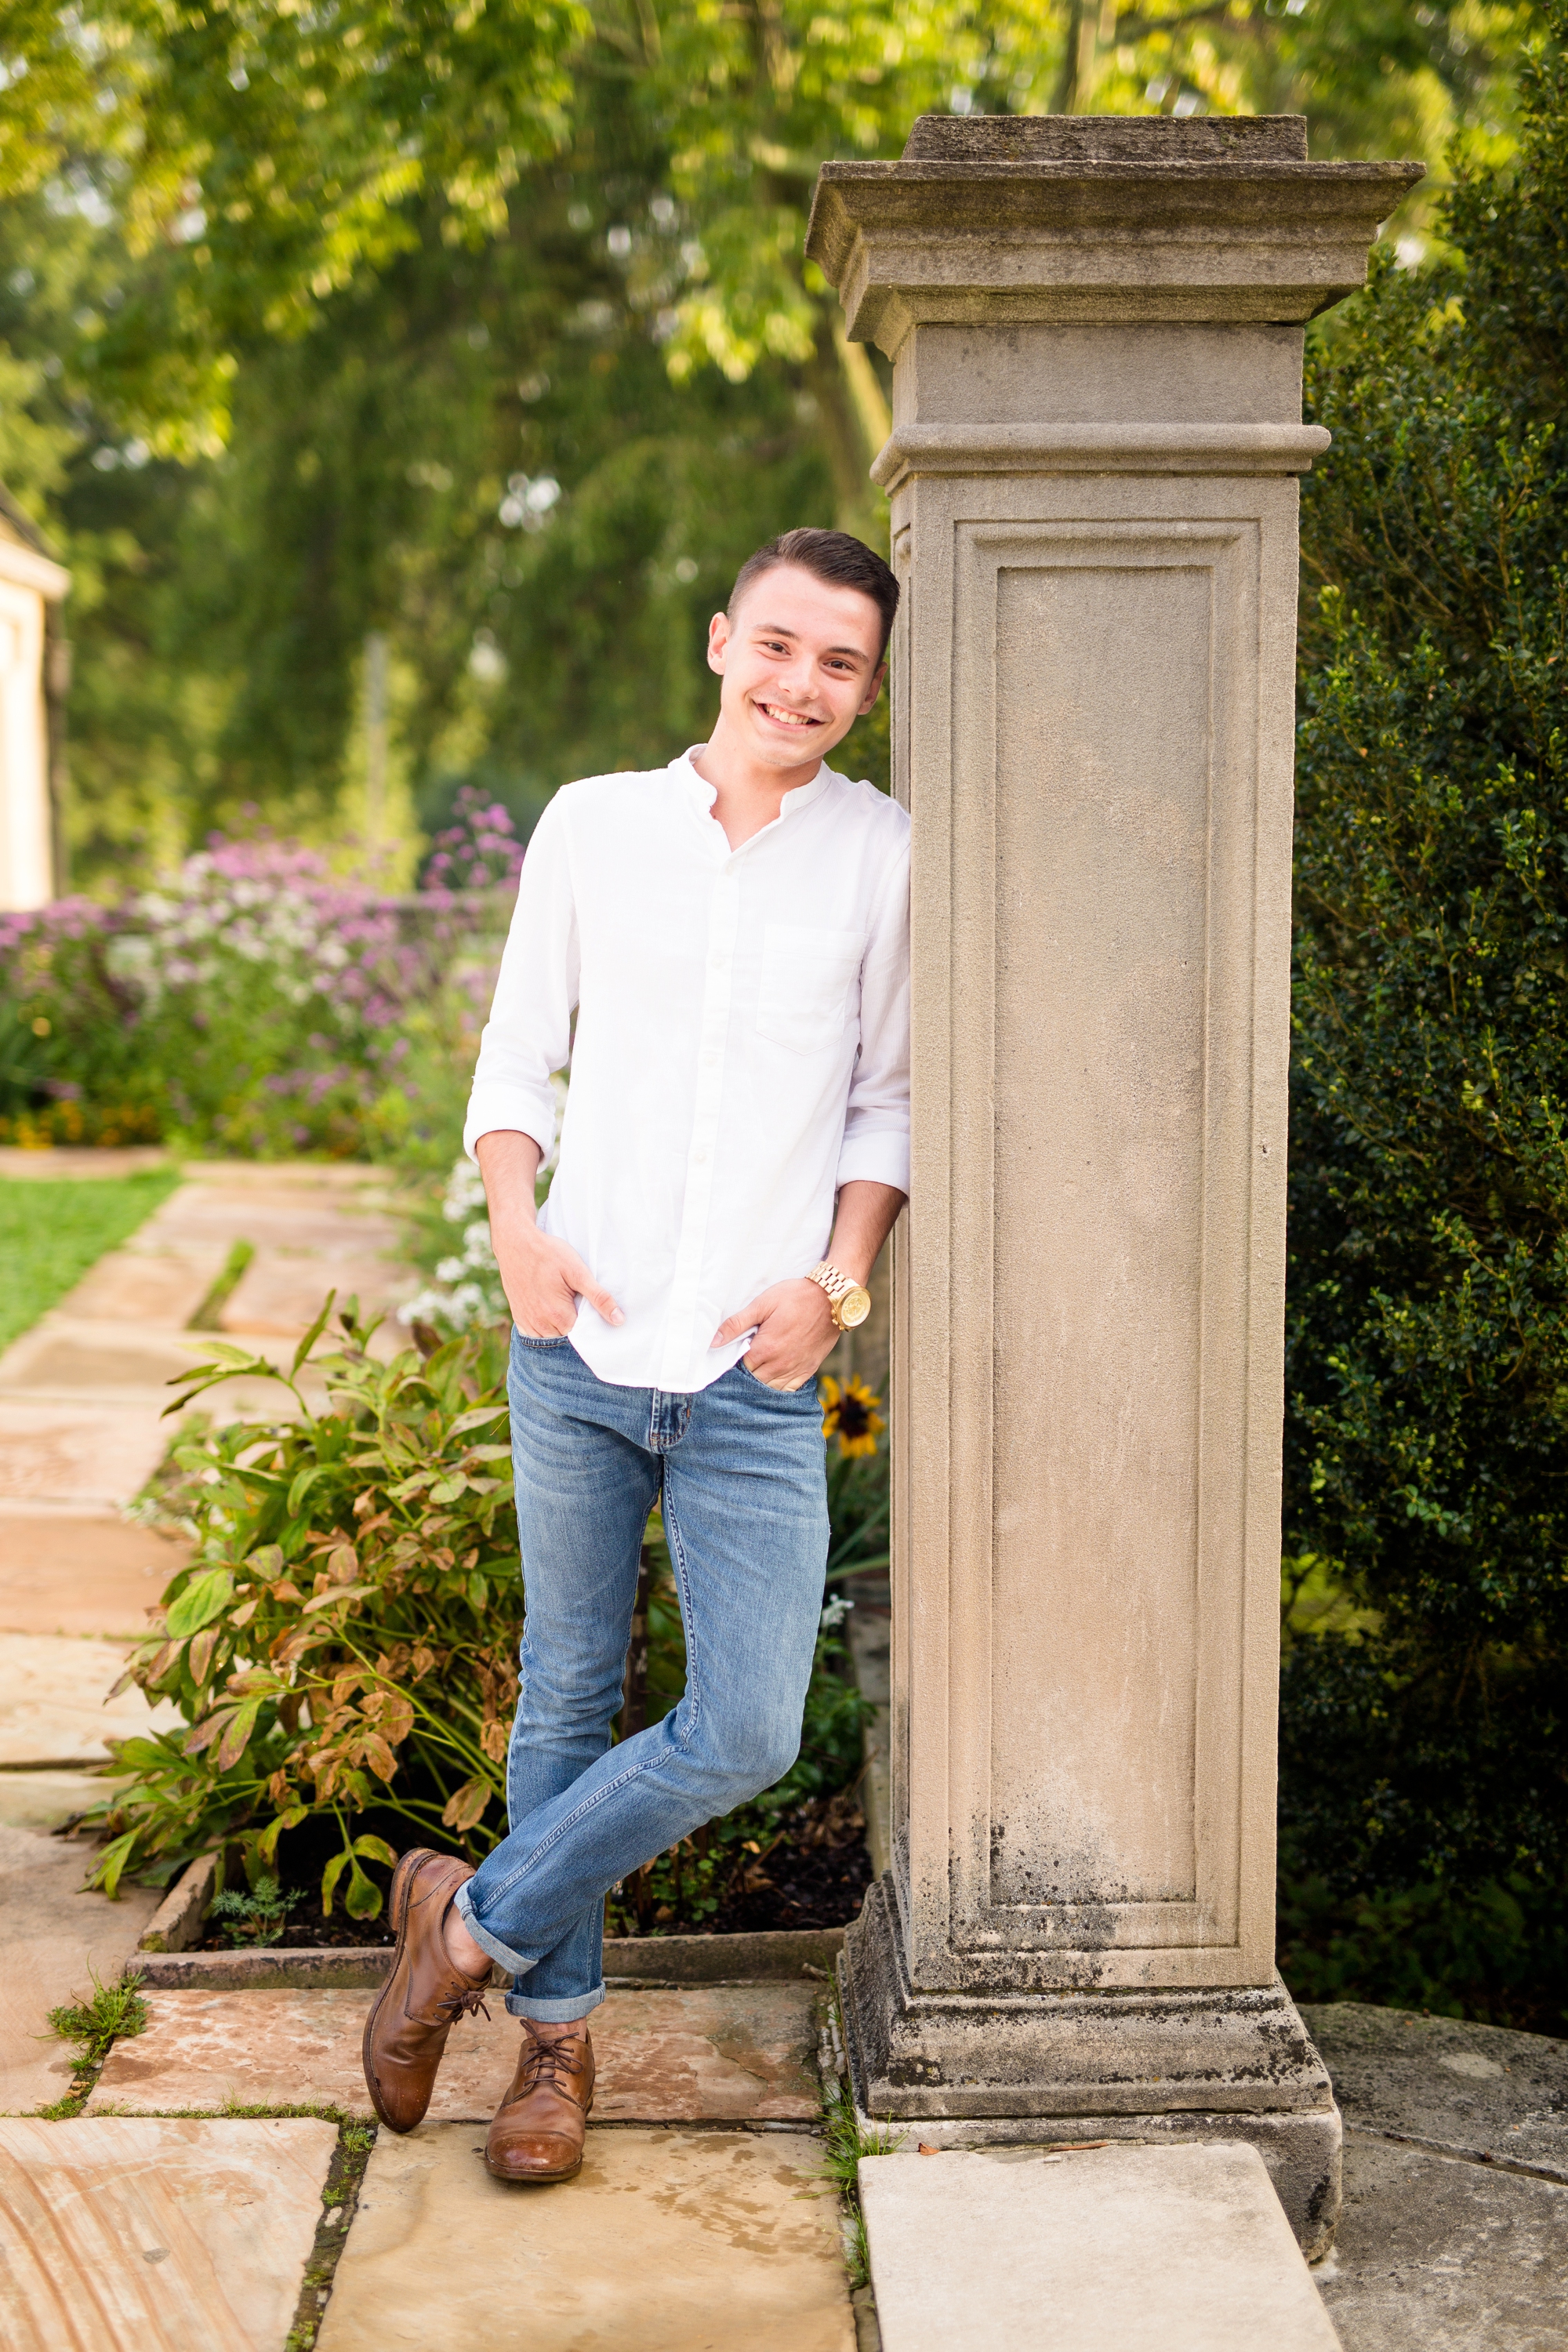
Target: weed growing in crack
113,2012
339,2200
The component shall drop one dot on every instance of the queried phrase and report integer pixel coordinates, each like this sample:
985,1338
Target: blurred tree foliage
1426,1759
488,330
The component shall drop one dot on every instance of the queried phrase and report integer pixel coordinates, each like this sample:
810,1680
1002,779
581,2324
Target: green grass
51,1231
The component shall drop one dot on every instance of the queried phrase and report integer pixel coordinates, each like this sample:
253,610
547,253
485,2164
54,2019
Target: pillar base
1030,2069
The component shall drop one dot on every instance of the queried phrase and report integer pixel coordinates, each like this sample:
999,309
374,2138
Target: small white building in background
30,581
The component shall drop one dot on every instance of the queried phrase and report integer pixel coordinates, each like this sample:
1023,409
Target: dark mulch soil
814,1875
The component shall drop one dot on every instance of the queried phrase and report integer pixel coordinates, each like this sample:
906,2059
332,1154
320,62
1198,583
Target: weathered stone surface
55,1707
127,2235
56,1940
78,1450
1479,2090
182,1915
792,1955
72,1572
1181,2249
1096,220
666,2242
47,1801
1435,2254
978,2059
712,2054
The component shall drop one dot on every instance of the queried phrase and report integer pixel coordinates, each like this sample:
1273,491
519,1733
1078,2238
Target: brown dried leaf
343,1566
493,1738
466,1805
374,1751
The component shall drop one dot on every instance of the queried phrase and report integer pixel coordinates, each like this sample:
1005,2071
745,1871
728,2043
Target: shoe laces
540,2058
464,2003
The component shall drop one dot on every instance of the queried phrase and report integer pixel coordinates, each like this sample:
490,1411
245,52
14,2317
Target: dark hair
832,556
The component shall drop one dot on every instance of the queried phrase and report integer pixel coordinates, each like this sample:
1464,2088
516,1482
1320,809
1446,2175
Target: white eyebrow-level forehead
777,629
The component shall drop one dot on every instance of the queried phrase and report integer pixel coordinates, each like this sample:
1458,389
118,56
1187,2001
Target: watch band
838,1286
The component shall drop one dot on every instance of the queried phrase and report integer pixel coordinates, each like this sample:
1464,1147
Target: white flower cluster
467,1288
835,1611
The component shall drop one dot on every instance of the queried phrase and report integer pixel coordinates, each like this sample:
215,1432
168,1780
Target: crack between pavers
1482,2157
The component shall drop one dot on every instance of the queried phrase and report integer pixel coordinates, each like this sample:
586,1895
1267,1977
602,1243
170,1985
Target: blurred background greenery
404,383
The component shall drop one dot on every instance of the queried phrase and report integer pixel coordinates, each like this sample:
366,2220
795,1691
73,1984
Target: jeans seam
684,1740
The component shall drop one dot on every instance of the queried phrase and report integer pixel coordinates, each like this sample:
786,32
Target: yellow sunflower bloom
850,1413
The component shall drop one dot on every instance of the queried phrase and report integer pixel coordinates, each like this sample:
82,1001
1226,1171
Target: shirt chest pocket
809,977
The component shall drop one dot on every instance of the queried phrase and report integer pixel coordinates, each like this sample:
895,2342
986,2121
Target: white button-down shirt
741,1048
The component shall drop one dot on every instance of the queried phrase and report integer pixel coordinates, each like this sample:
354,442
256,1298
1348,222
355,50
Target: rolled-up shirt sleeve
876,1147
528,1036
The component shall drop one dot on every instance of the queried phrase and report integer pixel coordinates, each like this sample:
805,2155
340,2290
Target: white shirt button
699,1156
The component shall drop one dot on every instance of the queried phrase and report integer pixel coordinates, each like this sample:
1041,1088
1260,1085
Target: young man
731,933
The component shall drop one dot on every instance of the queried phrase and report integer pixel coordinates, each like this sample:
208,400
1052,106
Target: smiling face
800,661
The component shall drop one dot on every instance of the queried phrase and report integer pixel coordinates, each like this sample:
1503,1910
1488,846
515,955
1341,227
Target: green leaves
1428,1239
203,1598
362,1900
367,1636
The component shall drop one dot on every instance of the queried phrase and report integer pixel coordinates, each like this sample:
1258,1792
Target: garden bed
813,1875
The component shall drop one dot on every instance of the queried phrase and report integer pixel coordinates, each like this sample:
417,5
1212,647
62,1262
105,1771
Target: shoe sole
401,1877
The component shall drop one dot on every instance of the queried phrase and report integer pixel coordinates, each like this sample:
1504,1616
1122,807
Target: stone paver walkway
156,2237
81,1398
715,2053
666,2242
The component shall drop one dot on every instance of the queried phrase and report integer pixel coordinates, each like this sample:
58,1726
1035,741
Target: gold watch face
854,1307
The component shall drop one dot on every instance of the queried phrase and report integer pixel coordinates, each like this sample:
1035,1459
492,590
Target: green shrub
345,1636
1425,1747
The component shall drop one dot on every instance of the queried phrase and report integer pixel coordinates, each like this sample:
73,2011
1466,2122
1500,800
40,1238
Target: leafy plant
256,1915
344,1638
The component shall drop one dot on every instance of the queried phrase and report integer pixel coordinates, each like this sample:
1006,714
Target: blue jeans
745,1513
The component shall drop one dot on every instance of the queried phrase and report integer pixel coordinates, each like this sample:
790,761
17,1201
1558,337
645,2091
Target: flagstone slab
1436,2254
54,1939
136,2236
666,2242
1140,2248
77,1574
47,1801
55,1707
65,1351
79,1449
283,1293
705,2054
150,1282
1479,2091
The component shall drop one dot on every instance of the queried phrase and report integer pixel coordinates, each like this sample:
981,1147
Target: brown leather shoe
542,2123
411,2016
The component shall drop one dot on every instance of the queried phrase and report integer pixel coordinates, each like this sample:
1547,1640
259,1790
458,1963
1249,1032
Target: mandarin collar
703,794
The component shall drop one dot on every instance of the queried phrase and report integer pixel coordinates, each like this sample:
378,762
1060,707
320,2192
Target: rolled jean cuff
553,2013
513,1962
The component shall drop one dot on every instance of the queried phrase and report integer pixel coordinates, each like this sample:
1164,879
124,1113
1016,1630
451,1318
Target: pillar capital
1097,220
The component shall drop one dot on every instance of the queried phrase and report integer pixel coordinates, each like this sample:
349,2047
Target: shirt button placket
723,928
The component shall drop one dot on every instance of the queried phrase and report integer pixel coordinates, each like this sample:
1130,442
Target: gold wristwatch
850,1301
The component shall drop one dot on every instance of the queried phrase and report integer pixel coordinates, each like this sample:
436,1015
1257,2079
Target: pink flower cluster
480,851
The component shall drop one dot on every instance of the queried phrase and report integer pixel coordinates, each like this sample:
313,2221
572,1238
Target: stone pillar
1096,331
